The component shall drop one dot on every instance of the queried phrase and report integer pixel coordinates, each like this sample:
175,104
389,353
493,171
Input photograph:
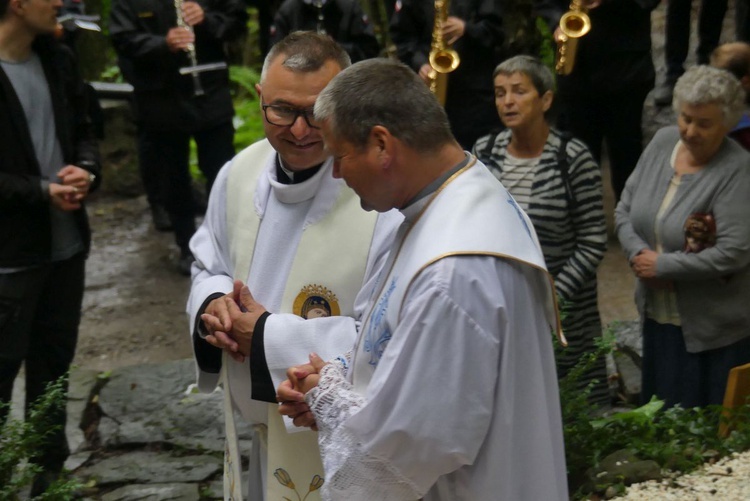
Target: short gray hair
539,74
388,93
708,85
305,52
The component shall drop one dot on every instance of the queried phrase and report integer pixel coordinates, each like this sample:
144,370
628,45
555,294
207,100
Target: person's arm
212,273
632,243
731,253
357,36
588,222
395,442
130,39
485,29
223,20
407,32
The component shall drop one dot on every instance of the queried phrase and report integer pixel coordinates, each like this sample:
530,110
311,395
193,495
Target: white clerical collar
300,192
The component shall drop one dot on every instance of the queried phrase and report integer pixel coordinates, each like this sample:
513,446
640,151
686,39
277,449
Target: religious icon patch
316,301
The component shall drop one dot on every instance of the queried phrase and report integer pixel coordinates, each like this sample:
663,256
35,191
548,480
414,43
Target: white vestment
253,230
451,393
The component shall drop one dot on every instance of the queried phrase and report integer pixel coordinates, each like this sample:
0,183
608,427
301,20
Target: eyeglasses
285,116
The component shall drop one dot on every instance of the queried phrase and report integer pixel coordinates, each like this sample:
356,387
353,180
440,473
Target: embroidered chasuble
323,275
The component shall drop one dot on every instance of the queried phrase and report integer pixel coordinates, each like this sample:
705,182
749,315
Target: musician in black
342,20
474,30
152,48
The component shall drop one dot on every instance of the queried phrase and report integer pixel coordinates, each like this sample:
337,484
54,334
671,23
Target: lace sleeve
351,473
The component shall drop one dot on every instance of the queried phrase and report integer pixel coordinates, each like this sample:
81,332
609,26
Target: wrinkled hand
453,29
243,313
178,39
644,264
192,13
218,323
291,393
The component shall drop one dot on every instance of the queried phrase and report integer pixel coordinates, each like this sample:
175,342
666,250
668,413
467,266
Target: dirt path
135,300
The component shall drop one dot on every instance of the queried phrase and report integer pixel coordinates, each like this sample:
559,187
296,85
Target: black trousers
164,161
614,118
677,40
40,310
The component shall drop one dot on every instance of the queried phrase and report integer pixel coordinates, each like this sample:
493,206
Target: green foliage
547,48
20,441
676,438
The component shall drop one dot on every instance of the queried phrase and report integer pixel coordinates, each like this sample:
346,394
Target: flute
190,49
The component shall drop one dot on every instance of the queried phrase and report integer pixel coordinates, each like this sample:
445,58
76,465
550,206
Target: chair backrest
736,394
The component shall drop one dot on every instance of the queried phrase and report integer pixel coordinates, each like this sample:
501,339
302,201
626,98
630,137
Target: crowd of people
386,269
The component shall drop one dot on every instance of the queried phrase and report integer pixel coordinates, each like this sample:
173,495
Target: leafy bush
677,439
20,441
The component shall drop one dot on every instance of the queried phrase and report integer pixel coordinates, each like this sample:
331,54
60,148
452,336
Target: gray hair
539,74
708,85
388,93
305,52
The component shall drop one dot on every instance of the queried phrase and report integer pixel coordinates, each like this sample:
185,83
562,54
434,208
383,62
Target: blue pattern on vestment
513,204
378,334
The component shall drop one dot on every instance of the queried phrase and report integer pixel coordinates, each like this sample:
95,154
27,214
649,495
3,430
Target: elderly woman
684,222
557,182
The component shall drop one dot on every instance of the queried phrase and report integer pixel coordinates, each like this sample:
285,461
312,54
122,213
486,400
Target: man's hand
64,197
243,314
178,39
453,29
192,13
218,323
424,73
291,393
644,264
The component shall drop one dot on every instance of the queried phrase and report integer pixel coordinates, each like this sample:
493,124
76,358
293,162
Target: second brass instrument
573,24
443,59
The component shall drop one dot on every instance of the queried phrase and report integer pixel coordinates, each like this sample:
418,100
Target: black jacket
163,98
343,20
24,208
470,98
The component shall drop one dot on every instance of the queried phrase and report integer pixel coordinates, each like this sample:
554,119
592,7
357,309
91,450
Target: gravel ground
726,480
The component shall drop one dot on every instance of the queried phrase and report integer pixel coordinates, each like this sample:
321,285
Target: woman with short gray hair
554,178
683,223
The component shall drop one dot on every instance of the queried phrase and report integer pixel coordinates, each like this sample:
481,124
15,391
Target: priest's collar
295,187
415,205
286,176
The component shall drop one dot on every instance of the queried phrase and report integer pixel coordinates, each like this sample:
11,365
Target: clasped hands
291,393
71,190
230,321
644,267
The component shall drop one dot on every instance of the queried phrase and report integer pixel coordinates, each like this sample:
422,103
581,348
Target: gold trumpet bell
444,61
575,24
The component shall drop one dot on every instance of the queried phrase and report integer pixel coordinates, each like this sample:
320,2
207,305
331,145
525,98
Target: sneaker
161,218
663,94
185,262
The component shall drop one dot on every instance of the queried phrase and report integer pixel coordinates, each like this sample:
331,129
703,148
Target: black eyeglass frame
303,112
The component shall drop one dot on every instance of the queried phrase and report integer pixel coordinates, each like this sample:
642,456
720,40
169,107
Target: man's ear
257,90
382,140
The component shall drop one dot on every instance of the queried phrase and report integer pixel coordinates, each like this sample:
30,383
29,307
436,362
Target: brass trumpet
573,24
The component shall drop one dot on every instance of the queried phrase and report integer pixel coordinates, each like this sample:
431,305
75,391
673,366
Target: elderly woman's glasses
285,116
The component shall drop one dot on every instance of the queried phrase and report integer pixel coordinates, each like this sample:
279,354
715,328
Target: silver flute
190,49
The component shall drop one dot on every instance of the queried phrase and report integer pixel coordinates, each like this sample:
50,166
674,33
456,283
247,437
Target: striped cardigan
573,236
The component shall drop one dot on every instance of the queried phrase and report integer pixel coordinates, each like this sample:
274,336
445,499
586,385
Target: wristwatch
92,177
